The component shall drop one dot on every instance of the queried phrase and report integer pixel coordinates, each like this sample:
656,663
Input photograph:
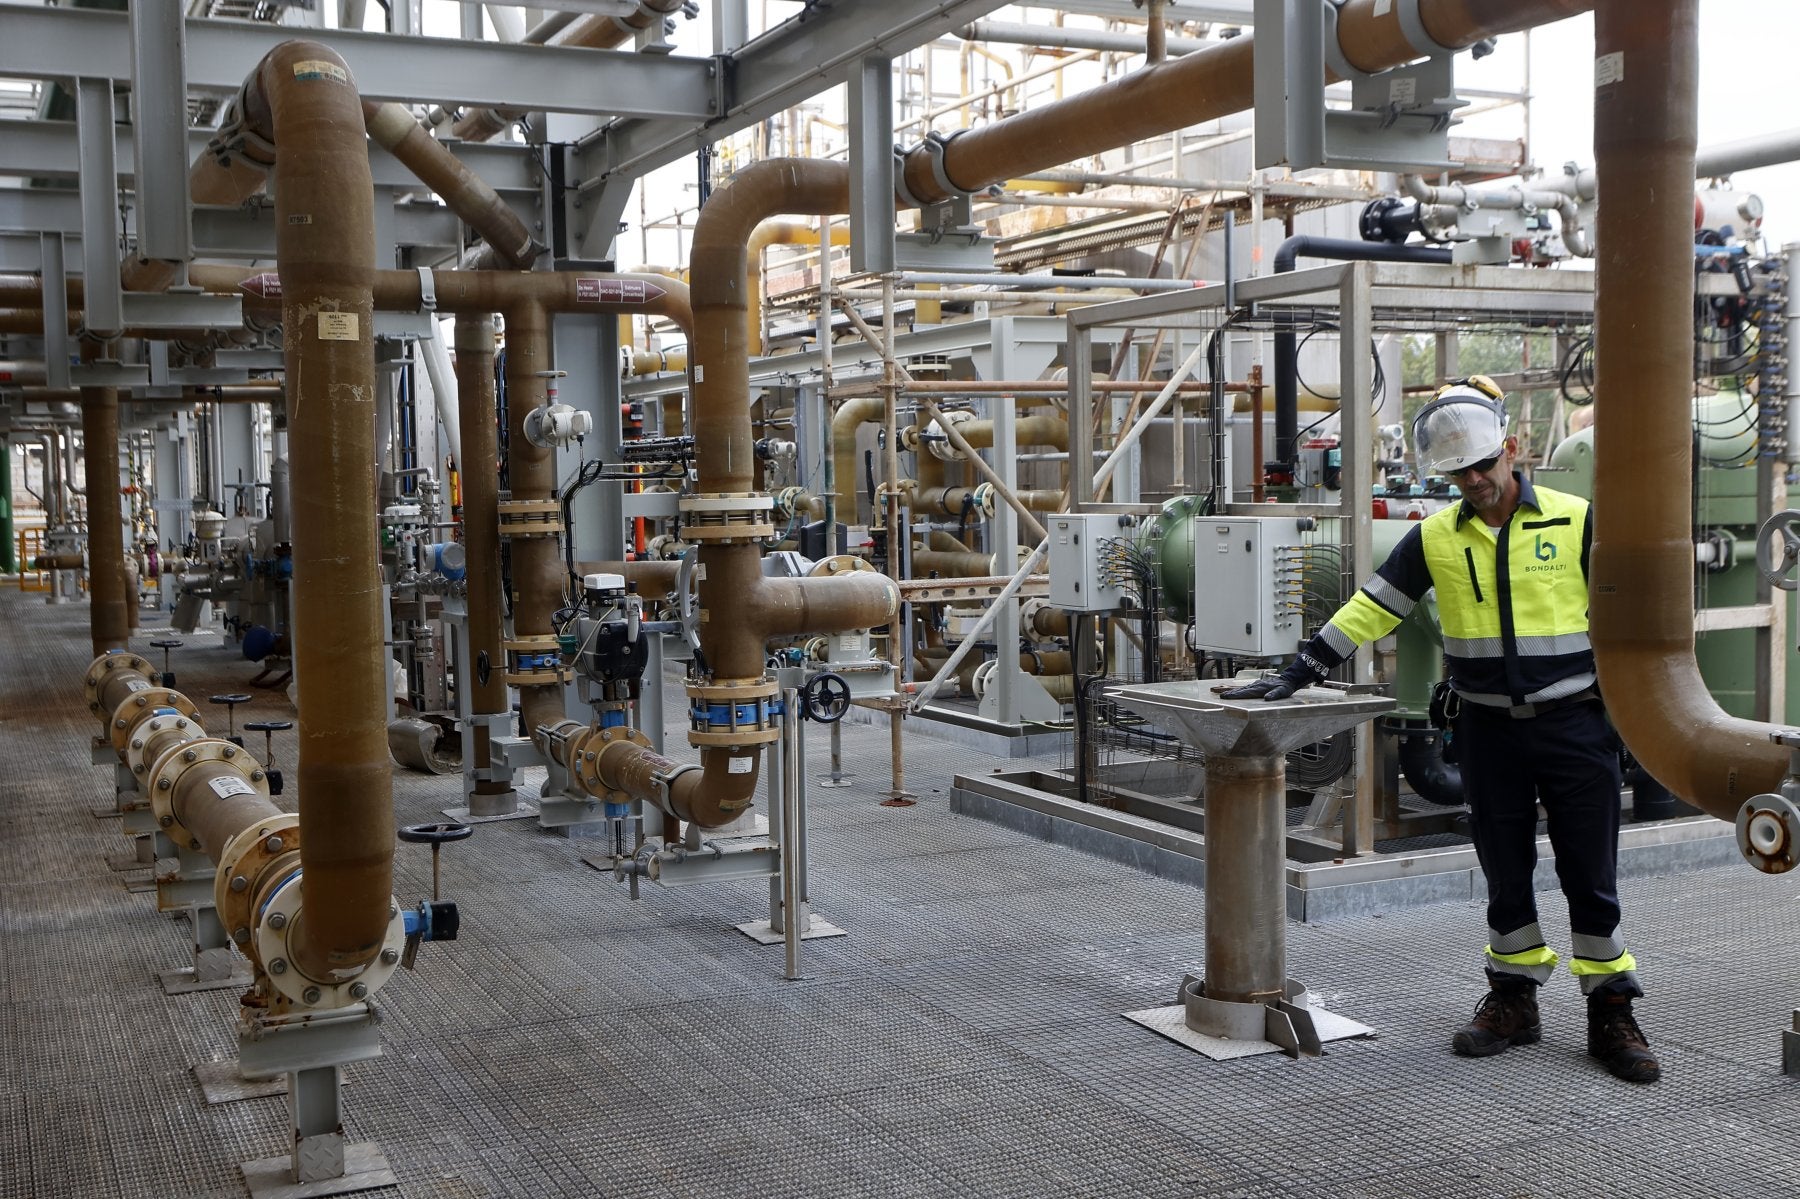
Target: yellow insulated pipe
776,233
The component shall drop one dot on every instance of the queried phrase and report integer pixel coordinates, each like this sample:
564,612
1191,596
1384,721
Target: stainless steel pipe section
1246,878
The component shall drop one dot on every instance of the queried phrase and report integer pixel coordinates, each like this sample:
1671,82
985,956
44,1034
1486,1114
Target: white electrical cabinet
1088,572
1247,585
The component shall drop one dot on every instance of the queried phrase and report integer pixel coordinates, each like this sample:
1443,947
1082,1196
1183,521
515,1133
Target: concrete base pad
220,1082
1171,1022
365,1168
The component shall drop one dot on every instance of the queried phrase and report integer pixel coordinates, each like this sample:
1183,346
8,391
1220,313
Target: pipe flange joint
1768,833
585,750
725,714
534,662
267,849
101,670
788,501
530,518
984,496
1412,28
142,705
246,777
153,737
427,289
727,517
276,920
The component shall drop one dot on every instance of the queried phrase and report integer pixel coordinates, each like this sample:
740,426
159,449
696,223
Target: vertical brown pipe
109,624
1643,559
325,244
537,569
481,529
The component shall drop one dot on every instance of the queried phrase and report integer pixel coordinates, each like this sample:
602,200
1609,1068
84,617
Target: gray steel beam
872,165
237,232
46,43
158,125
56,309
50,150
103,311
810,52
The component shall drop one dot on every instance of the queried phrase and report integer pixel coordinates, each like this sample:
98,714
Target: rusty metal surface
965,1038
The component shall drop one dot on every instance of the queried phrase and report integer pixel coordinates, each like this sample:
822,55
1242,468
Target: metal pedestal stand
311,1050
788,891
1246,1004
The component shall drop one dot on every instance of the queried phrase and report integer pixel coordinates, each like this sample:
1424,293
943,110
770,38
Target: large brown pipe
109,611
1039,428
1202,86
537,566
1643,557
325,242
116,679
109,623
214,815
481,529
466,193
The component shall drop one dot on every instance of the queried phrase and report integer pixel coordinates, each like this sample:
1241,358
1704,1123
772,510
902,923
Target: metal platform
964,1039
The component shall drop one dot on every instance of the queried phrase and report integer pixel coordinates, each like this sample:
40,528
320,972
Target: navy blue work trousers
1567,759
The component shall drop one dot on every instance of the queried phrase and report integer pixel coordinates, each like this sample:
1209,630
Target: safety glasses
1475,468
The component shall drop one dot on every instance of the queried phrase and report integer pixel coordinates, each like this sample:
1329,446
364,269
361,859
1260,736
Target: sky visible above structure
1744,92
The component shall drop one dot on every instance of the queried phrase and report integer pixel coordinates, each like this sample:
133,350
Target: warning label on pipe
267,285
229,786
615,291
338,326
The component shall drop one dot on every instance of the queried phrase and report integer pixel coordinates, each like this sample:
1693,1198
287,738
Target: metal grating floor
964,1039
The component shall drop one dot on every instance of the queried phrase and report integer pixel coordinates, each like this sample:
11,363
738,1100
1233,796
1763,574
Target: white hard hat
1465,423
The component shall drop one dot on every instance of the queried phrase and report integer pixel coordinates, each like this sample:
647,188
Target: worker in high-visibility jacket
1510,567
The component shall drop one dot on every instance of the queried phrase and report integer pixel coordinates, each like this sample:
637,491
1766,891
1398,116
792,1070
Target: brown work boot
1616,1040
1506,1015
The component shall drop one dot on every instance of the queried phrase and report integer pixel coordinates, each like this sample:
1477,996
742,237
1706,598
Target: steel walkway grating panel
965,1039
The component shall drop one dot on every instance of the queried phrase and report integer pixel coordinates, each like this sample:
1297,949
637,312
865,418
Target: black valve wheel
435,834
825,698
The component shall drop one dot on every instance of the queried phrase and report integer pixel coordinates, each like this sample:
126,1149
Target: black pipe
1287,364
1422,763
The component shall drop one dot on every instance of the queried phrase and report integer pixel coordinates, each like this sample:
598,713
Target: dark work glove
1299,673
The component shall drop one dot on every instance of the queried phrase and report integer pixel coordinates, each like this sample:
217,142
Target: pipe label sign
615,291
312,68
267,285
338,326
740,765
229,786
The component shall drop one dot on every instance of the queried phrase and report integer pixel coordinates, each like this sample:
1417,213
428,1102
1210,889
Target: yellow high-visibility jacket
1513,603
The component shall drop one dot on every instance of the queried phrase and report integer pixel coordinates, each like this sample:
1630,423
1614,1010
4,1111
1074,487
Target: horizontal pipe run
480,293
